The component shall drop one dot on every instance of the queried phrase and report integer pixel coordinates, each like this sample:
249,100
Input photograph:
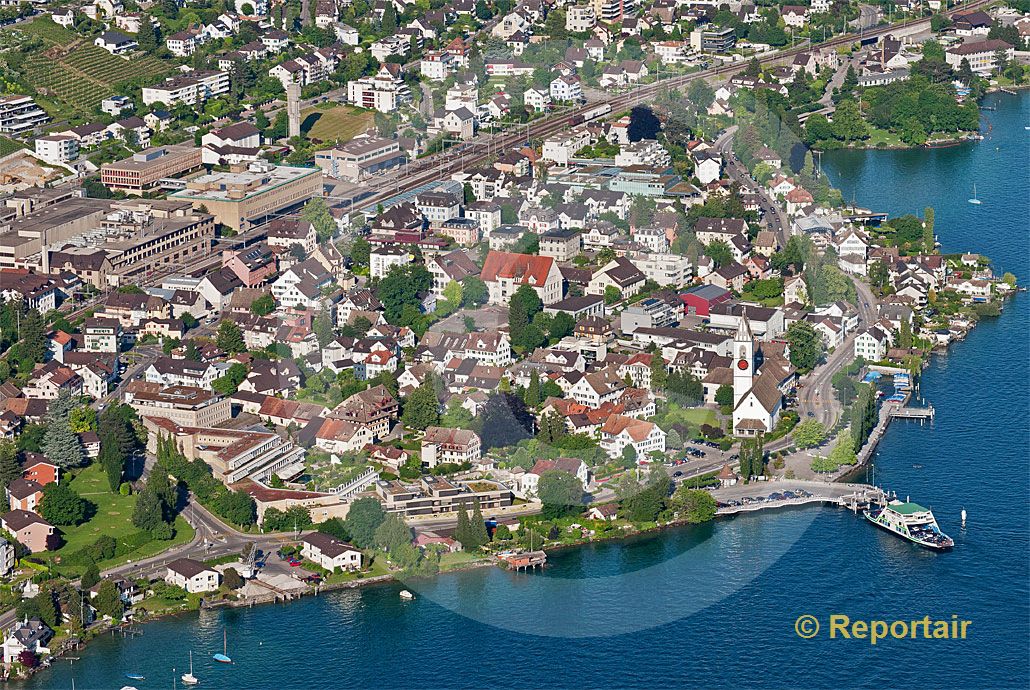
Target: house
619,273
115,43
530,481
31,531
236,143
37,469
566,89
29,634
192,576
794,16
342,436
48,380
330,553
24,494
873,343
981,55
606,512
442,445
505,272
620,432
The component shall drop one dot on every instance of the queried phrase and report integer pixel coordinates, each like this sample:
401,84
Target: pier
524,560
913,412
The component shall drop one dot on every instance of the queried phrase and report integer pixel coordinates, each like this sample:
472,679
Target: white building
192,576
330,553
57,148
382,259
620,431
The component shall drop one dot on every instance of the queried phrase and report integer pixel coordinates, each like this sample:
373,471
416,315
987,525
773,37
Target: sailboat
974,200
223,658
189,678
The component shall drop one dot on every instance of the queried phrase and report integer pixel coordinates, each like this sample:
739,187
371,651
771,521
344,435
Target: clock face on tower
742,365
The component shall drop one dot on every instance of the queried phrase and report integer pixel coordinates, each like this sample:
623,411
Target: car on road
810,414
677,473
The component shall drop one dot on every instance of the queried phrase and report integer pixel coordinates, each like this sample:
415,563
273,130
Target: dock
913,412
524,560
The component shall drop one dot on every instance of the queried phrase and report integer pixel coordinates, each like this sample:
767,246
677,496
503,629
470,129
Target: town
306,295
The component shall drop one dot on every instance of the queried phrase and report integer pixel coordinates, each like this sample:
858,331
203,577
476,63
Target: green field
336,124
77,73
8,146
114,518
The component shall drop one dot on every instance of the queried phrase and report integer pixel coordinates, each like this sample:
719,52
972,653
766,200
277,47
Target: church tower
743,359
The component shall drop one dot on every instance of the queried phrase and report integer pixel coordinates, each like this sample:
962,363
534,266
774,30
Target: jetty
524,560
912,412
746,498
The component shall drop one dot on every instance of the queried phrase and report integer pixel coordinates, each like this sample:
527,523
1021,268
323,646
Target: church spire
744,334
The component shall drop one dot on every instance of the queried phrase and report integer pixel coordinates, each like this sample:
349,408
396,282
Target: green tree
230,337
60,444
928,236
473,292
421,408
9,467
843,452
693,505
455,416
236,507
805,345
263,305
148,513
46,606
360,252
724,395
612,294
533,390
323,327
659,373
848,124
719,252
392,533
317,213
560,493
809,434
62,506
363,519
231,578
108,600
229,382
90,576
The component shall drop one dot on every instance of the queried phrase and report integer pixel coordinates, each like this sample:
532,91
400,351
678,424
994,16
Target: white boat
911,521
974,200
189,678
405,594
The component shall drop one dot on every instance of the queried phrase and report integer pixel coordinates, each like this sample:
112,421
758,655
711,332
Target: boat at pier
911,521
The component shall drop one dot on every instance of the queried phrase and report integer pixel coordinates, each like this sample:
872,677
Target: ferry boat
911,521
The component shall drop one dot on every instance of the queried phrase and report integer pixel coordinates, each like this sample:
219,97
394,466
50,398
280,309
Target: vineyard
8,146
77,73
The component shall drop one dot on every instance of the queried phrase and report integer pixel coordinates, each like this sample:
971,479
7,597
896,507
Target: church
757,397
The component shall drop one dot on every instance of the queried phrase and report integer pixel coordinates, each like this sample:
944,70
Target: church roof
766,391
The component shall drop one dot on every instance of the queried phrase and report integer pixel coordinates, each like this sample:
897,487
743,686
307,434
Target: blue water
715,606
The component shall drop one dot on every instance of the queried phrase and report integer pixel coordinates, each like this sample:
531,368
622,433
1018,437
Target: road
773,215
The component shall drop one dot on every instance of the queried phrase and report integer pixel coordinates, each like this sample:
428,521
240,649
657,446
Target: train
591,114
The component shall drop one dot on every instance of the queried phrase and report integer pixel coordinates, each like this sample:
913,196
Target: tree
643,123
473,292
504,421
928,236
230,381
62,506
108,601
148,512
848,124
9,467
263,305
46,606
694,506
392,533
805,345
612,294
421,408
724,395
230,337
809,434
560,493
659,374
843,452
719,252
90,576
363,519
335,527
323,327
455,416
752,457
533,390
82,419
60,444
236,507
231,578
360,251
502,533
317,213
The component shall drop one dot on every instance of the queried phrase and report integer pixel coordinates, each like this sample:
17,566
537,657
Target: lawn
337,124
459,559
113,517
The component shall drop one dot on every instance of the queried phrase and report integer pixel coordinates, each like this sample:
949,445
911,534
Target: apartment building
184,405
20,114
191,89
145,169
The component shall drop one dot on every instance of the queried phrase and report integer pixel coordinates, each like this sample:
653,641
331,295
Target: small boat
223,658
189,678
974,200
910,521
405,594
135,676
